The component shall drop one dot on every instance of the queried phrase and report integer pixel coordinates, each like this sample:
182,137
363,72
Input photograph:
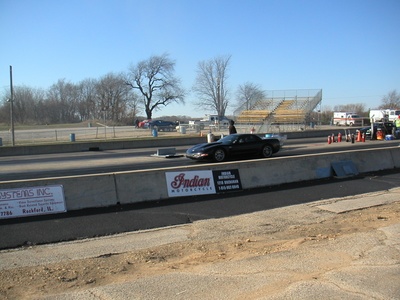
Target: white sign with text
190,183
31,201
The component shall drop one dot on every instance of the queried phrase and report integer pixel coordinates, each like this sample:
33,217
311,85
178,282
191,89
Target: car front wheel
219,155
266,151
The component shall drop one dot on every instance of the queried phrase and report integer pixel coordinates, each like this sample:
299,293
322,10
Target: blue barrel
72,137
155,133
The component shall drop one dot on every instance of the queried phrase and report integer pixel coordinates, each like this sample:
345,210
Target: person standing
397,126
232,128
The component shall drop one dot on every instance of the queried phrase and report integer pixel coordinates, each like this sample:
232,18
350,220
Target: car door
245,146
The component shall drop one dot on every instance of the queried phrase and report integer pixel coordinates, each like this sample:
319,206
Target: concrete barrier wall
315,166
139,186
150,185
396,157
79,191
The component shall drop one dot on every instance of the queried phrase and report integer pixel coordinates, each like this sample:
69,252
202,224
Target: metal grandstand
280,108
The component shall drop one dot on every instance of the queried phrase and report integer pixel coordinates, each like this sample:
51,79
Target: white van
346,119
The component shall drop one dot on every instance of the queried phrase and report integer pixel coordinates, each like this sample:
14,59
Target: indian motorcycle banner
202,182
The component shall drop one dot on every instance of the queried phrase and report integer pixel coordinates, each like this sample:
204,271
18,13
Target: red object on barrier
339,137
333,138
363,137
329,139
379,134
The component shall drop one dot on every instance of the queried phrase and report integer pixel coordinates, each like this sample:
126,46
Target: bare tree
62,97
247,95
210,85
86,102
5,108
111,97
358,108
134,105
391,100
155,81
25,104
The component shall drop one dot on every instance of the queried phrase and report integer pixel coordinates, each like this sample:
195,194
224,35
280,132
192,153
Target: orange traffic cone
359,136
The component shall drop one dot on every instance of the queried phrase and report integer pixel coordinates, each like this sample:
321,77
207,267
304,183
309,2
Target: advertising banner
202,182
31,201
227,180
190,183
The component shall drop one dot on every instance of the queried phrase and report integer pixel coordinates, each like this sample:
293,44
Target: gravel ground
344,248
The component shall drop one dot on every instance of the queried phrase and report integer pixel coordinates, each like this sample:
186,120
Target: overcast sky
350,49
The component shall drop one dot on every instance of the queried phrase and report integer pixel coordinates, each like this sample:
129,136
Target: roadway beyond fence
110,133
84,139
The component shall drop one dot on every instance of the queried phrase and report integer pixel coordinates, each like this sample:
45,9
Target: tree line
146,87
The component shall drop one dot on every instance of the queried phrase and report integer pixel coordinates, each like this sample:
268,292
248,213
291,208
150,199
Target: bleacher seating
289,116
252,116
281,110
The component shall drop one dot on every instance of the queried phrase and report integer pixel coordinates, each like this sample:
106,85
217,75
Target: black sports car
235,145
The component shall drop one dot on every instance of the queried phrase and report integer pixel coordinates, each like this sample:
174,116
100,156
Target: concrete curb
103,190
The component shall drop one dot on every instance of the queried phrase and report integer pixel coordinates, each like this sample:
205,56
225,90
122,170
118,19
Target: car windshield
228,139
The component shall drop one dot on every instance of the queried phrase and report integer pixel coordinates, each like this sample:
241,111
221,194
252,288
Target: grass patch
50,126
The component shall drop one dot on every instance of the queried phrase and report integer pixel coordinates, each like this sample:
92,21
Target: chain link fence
64,135
60,135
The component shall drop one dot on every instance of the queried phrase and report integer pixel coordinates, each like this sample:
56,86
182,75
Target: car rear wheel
219,155
266,151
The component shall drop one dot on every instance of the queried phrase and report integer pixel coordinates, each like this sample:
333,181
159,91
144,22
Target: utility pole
12,109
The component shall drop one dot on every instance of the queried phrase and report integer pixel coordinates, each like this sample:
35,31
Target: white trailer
346,119
211,120
383,115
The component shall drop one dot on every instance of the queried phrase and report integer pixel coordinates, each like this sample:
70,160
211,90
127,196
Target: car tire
219,155
266,151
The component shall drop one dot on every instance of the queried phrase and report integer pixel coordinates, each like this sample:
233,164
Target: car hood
203,146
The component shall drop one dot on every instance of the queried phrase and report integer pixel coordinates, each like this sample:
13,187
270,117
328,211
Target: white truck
211,121
346,119
383,115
